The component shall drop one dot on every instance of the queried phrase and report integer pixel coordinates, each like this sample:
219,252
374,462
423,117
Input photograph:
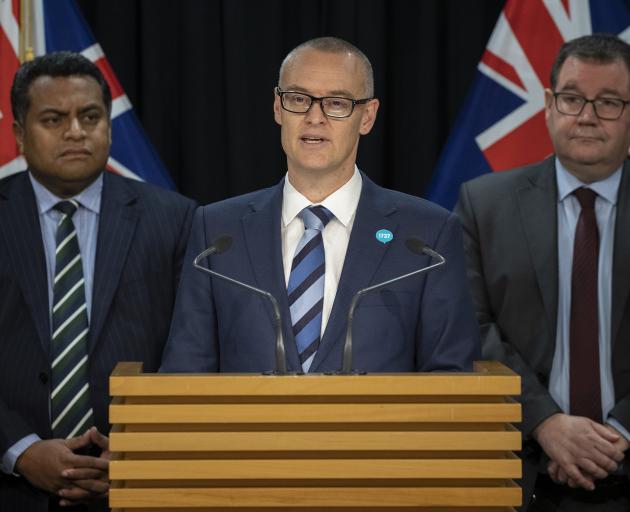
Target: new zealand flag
58,25
502,123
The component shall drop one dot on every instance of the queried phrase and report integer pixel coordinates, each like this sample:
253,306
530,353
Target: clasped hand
53,465
580,450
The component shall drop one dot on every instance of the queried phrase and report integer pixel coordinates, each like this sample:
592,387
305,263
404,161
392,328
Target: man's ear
277,114
549,99
18,131
369,116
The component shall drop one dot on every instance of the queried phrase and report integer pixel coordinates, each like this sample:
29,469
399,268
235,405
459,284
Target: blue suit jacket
143,231
422,324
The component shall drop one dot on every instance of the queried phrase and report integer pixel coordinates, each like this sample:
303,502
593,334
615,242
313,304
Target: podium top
488,378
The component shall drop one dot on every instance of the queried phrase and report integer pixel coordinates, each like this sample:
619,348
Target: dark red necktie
584,329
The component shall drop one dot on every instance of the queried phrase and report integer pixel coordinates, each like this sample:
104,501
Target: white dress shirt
568,212
343,205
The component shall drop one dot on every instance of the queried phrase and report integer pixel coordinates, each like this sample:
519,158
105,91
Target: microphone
221,244
416,246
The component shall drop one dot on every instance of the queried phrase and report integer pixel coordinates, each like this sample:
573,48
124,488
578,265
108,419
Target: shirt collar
342,203
606,188
89,198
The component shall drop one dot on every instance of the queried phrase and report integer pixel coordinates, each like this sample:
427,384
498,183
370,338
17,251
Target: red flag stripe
537,34
502,67
9,64
108,72
532,140
96,55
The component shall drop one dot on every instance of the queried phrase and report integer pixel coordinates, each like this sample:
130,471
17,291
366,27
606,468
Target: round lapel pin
384,236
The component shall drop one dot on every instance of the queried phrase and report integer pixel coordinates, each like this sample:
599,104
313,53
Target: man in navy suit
123,242
315,239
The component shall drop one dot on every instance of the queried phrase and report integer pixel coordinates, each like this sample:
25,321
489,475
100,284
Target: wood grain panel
247,469
312,441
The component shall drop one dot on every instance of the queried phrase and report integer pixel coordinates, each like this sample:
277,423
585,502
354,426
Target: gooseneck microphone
221,244
416,246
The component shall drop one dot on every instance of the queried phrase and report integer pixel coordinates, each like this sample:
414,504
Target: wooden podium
377,442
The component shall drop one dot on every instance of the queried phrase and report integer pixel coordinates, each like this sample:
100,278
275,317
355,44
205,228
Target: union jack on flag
58,25
502,123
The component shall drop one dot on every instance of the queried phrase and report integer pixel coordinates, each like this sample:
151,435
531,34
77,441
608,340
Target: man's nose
588,113
316,114
75,130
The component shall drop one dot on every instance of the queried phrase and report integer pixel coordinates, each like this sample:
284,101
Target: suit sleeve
13,428
536,401
621,413
192,345
449,337
182,242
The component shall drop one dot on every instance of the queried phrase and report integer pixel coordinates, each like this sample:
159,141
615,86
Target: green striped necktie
70,395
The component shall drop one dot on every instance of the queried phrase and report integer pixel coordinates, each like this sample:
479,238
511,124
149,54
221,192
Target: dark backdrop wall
200,74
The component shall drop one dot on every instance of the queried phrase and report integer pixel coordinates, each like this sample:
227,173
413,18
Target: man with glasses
315,239
548,247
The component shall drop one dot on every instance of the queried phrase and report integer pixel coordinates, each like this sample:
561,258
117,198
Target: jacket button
43,377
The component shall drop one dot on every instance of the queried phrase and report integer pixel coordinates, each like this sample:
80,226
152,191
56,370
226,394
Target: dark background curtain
200,74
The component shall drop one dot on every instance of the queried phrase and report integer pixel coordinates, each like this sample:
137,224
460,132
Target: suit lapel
363,257
620,273
538,204
20,230
117,223
261,228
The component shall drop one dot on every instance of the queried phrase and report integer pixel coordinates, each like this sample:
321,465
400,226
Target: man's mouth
74,152
312,140
586,136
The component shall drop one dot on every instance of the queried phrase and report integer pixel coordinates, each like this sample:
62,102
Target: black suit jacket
510,235
143,231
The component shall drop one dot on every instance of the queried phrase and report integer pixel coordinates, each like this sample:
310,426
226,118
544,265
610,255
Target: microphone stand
280,353
415,246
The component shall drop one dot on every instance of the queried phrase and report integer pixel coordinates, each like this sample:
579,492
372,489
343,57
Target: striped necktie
70,396
306,284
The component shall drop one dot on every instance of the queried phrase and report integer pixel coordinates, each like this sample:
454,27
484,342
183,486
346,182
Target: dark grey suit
143,231
510,235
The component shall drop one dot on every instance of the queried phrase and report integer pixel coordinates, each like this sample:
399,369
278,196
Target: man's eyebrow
52,110
59,111
91,106
337,92
574,87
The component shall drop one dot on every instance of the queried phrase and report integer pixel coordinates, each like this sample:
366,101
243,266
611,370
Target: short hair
56,64
603,48
337,46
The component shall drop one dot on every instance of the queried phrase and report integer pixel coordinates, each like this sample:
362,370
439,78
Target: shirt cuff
11,456
614,423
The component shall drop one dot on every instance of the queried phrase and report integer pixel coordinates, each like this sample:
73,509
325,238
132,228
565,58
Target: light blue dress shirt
86,223
568,212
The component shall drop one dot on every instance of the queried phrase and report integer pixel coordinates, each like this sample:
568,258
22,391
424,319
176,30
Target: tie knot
586,197
67,207
316,217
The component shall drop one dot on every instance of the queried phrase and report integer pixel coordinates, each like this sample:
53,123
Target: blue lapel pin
384,236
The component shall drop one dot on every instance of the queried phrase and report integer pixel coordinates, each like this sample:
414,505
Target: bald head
336,46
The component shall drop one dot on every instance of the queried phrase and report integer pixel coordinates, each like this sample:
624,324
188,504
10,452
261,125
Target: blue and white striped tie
306,284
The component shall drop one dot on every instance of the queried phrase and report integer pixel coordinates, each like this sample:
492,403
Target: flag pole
26,31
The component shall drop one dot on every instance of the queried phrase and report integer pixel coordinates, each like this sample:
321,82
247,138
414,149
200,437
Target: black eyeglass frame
316,99
592,102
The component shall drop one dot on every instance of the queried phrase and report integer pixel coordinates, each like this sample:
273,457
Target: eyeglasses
609,109
332,106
